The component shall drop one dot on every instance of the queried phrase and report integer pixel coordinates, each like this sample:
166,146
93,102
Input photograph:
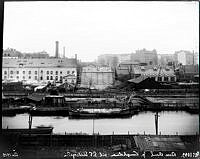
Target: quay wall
81,140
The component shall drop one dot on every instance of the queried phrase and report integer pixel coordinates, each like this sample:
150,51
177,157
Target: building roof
148,71
93,68
39,62
138,80
129,63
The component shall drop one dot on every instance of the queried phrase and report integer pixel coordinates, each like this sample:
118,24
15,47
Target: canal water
169,123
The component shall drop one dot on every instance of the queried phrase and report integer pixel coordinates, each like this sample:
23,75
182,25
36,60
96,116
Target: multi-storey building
145,56
38,70
140,56
166,59
185,57
124,57
196,58
9,52
108,59
96,77
113,59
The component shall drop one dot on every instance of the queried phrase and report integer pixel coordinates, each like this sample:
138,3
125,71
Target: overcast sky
89,29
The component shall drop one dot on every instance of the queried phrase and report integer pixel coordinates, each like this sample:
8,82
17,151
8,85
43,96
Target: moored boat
49,112
37,130
99,113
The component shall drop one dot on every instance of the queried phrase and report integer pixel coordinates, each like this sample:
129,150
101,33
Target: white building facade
96,77
185,57
38,70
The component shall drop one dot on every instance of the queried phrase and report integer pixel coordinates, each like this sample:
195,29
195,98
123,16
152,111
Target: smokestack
193,57
76,56
63,52
57,55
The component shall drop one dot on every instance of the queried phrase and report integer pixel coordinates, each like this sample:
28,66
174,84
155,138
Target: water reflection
170,123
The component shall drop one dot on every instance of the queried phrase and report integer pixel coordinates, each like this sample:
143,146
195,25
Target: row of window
36,78
47,72
5,77
12,72
56,78
41,78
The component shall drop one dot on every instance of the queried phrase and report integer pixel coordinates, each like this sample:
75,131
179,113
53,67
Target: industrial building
35,70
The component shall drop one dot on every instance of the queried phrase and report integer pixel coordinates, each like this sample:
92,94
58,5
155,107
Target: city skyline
83,29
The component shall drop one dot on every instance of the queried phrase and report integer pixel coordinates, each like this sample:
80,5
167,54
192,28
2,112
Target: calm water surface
170,123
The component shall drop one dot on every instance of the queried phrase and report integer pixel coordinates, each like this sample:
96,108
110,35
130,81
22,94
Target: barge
49,112
37,130
100,113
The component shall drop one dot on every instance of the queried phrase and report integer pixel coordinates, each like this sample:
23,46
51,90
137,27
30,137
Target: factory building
33,70
41,70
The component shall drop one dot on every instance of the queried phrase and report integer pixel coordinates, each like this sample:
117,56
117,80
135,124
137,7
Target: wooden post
111,140
102,140
30,123
156,122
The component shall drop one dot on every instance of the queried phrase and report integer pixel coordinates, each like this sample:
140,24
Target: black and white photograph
100,79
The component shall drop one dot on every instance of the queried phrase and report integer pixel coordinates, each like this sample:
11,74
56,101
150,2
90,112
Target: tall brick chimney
63,52
76,58
57,54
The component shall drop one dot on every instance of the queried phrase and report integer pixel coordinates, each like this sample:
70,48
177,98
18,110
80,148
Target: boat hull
93,115
45,130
